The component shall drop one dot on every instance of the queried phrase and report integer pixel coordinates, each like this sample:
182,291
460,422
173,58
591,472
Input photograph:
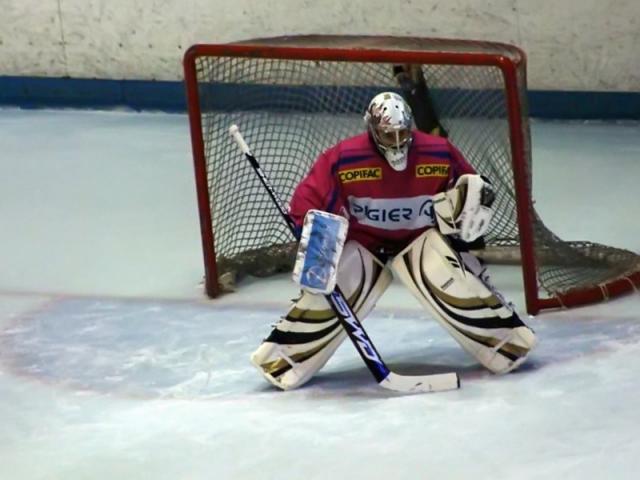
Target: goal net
294,97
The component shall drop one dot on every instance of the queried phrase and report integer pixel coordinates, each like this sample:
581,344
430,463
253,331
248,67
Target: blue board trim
44,92
40,92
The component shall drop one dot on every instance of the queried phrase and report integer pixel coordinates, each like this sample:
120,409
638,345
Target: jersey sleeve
317,190
459,165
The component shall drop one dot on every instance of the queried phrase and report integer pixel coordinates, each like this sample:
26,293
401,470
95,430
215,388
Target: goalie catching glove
321,243
465,209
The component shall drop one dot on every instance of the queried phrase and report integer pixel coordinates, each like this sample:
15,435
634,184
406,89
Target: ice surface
114,365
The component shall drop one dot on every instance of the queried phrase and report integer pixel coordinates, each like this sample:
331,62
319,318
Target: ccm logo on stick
363,342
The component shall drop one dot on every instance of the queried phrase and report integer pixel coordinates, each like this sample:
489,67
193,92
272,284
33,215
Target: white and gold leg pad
306,337
467,307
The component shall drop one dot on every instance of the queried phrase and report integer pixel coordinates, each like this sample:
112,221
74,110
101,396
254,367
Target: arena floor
113,364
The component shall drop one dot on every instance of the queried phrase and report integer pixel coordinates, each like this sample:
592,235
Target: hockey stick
385,377
417,94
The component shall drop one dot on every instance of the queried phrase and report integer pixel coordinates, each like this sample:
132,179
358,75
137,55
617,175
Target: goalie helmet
389,120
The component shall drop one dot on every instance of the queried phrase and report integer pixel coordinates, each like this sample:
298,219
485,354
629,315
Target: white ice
113,364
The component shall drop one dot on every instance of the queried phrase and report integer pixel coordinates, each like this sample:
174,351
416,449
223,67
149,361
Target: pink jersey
386,209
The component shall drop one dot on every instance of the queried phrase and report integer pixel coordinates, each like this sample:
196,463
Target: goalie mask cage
294,97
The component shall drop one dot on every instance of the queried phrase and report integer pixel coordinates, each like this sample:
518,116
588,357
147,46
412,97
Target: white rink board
572,45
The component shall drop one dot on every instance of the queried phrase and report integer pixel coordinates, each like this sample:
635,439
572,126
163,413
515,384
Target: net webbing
291,110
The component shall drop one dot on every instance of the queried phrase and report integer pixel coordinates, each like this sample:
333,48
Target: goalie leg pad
466,306
308,335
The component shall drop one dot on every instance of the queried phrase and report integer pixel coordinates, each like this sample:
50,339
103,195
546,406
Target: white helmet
389,119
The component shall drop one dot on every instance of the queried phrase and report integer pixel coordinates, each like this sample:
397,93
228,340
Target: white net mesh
290,110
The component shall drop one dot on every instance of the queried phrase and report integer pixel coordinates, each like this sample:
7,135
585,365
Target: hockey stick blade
372,359
356,333
421,383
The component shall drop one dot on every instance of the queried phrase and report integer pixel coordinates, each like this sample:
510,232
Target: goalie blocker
321,243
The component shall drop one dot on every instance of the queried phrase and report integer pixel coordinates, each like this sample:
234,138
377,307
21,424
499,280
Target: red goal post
295,96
